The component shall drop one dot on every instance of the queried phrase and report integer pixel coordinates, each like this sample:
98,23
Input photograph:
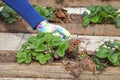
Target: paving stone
73,10
73,36
82,10
10,41
91,43
79,10
13,41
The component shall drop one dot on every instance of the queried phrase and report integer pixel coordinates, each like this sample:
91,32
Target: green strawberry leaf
102,53
94,19
60,53
86,21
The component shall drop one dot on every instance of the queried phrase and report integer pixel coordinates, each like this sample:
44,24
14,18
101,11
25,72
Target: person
36,20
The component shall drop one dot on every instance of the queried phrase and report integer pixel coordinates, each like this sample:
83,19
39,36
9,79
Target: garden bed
56,70
11,43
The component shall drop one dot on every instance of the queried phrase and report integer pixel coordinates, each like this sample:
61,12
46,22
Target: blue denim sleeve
26,10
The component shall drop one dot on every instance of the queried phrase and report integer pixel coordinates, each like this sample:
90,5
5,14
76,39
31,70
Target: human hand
45,26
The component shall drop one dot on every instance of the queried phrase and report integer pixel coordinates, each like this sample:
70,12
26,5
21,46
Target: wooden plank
75,3
22,27
73,28
53,71
34,70
100,76
30,79
7,56
97,29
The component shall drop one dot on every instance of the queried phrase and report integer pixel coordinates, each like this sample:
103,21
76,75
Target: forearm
25,9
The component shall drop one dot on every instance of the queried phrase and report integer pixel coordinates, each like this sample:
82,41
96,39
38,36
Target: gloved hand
45,26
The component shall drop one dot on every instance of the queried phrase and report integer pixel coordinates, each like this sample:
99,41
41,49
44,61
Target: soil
74,64
61,16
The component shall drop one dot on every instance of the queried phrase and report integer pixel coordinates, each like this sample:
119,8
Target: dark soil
61,16
74,64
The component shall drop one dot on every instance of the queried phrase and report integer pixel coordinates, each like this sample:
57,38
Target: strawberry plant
48,12
107,54
52,14
42,47
2,4
101,15
9,15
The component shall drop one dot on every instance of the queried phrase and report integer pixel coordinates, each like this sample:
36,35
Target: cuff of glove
42,24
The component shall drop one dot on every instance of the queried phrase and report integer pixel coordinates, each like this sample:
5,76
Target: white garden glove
45,26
